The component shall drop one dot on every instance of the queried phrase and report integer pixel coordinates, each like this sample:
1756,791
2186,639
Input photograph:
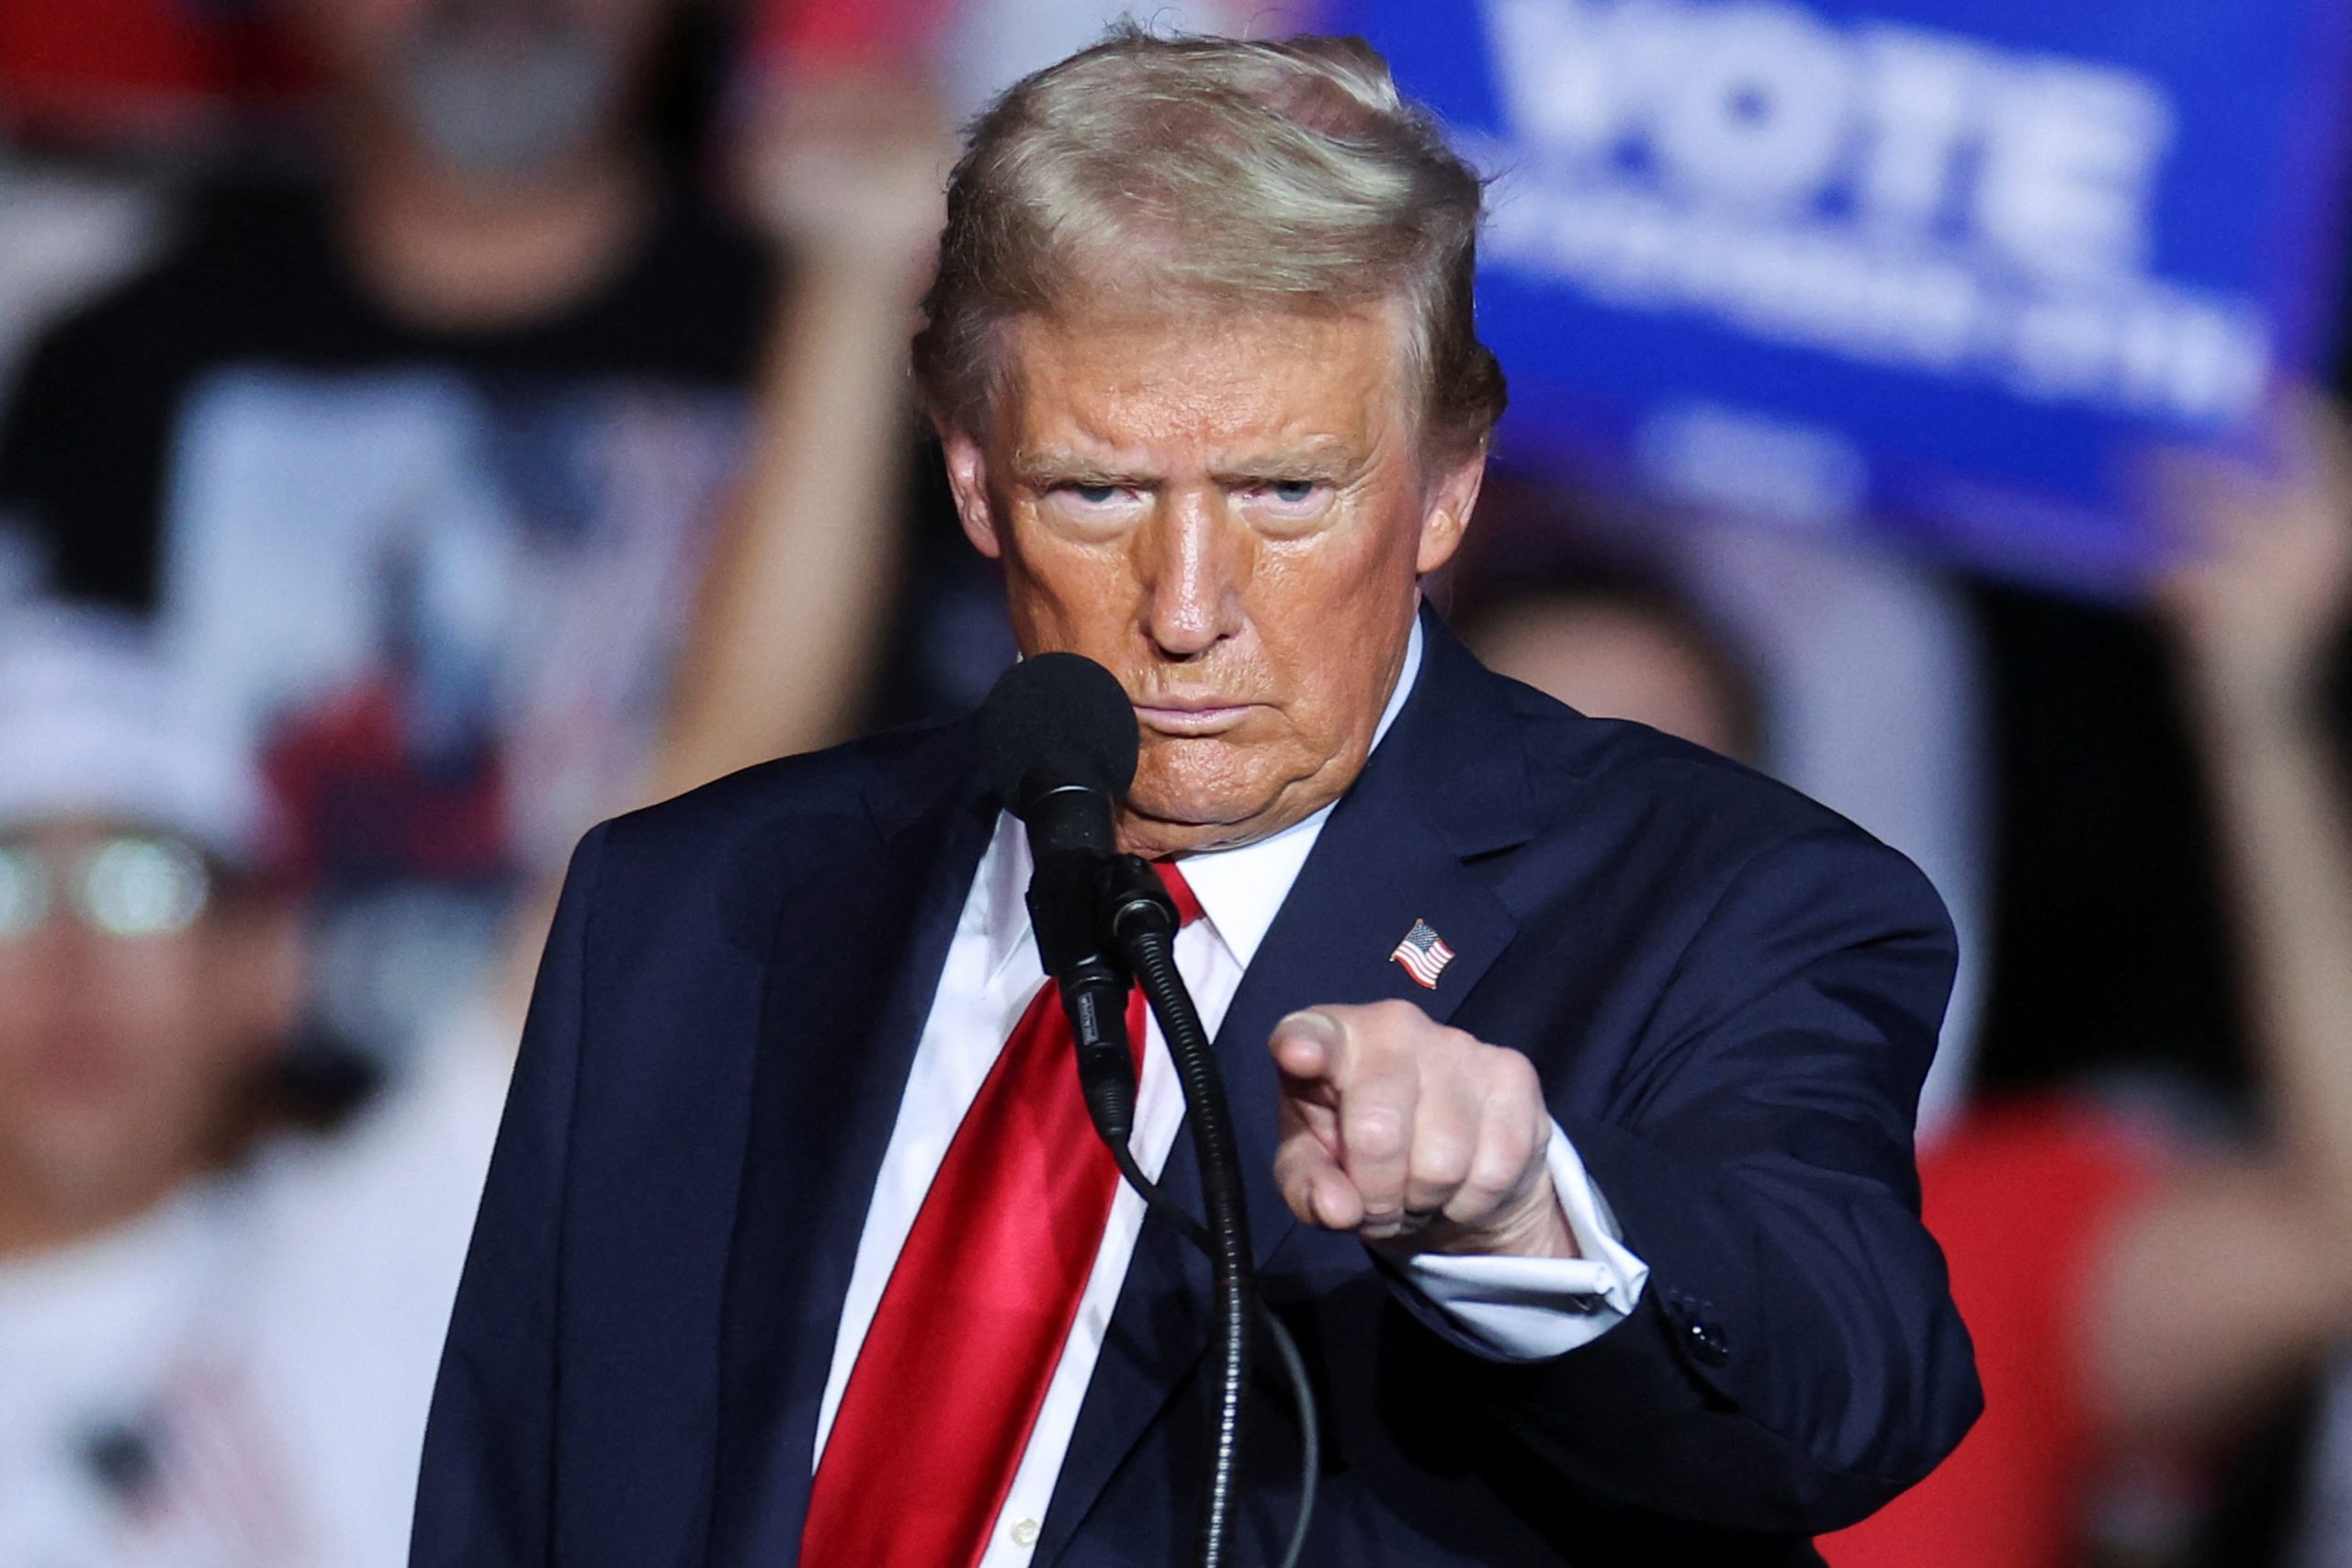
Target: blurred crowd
428,427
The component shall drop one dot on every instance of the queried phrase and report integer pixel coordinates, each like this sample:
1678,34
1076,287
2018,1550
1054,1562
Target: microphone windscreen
1055,719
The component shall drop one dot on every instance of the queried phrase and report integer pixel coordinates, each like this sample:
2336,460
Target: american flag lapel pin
1423,954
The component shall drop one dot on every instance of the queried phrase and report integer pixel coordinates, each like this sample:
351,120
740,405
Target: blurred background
428,427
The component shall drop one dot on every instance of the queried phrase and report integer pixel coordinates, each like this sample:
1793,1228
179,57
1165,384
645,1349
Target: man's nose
59,962
1192,576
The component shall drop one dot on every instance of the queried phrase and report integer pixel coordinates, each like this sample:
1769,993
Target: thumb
1306,1046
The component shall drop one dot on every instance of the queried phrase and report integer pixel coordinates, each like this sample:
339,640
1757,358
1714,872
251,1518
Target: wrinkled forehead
1203,378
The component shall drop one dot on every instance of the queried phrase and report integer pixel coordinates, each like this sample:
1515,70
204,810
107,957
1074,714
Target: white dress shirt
1507,1308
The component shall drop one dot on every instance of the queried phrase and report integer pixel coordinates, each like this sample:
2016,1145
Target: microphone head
1055,720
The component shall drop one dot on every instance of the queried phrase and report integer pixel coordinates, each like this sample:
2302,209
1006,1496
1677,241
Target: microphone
1059,741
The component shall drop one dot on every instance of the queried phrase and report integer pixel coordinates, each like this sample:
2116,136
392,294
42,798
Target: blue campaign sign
1945,269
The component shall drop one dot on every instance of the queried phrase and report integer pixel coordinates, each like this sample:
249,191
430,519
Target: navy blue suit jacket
1732,996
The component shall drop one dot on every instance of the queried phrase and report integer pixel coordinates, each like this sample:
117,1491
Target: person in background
2260,618
823,607
416,464
2139,1300
2200,1282
1613,645
217,1327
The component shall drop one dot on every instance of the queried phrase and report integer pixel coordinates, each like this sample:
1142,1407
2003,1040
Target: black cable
1310,1432
1156,1197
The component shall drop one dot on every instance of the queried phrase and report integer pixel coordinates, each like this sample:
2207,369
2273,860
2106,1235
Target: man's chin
1162,821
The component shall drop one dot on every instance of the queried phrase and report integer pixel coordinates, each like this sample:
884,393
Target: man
216,1329
1572,1067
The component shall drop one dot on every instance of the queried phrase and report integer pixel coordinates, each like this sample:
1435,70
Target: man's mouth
1189,719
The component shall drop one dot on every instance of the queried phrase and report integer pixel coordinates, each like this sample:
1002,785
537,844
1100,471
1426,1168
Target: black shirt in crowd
436,577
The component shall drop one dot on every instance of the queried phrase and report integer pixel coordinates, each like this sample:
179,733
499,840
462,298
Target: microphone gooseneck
1143,923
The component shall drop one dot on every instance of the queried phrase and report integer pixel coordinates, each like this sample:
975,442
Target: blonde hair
1205,170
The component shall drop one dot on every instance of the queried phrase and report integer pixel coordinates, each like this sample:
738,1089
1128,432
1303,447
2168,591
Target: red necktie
948,1383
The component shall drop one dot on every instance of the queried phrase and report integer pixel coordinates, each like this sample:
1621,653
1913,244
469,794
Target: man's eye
1094,495
1290,493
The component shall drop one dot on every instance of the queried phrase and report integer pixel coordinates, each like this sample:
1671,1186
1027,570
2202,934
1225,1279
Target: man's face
1617,660
119,1048
488,89
1231,513
363,39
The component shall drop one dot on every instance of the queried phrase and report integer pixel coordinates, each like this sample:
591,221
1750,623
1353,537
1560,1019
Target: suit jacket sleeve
484,1488
1796,1360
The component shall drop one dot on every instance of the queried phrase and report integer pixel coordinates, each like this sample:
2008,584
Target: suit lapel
1447,786
858,952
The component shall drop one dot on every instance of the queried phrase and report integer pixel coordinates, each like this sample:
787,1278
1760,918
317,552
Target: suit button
1703,1338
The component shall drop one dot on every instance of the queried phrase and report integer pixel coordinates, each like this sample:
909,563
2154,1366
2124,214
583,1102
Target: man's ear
1445,515
967,480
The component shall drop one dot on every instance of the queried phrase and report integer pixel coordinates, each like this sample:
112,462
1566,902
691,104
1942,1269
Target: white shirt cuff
1531,1309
